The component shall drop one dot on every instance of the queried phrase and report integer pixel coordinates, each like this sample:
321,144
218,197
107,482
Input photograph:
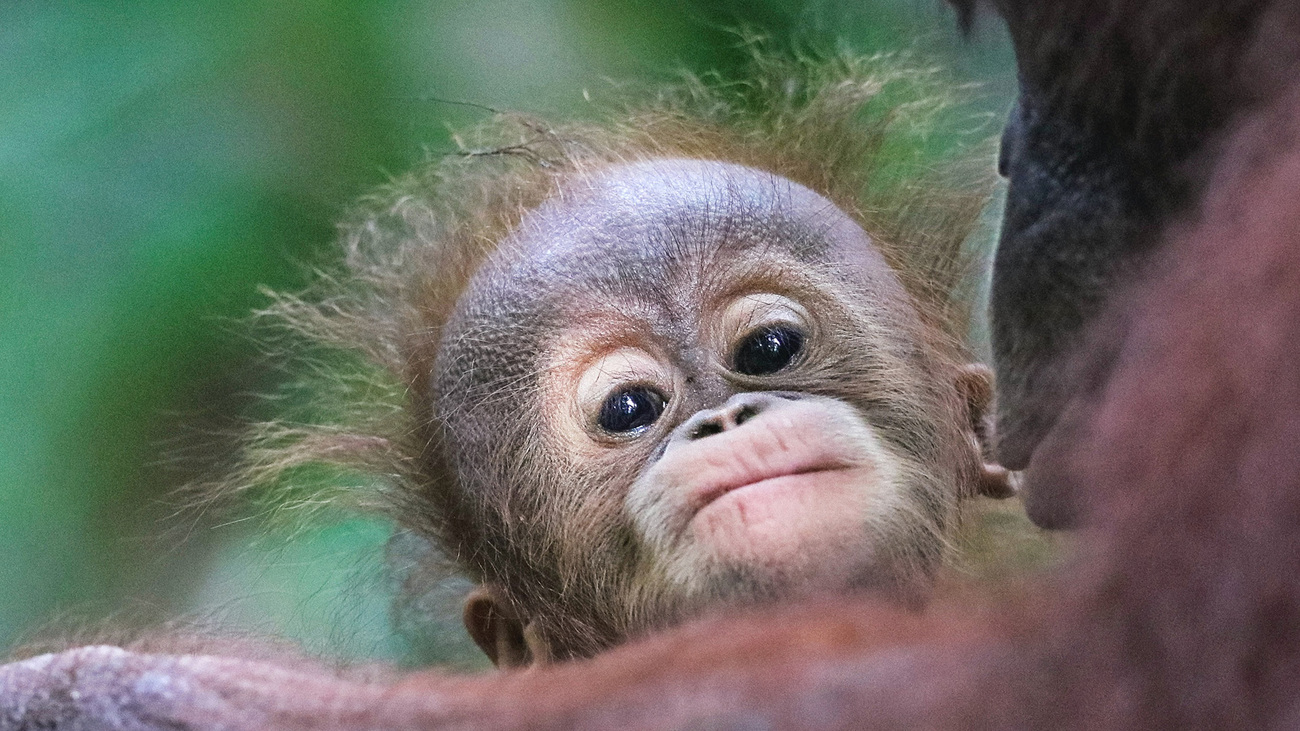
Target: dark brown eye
767,350
631,409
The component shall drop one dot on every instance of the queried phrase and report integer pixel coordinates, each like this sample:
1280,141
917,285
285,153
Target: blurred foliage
160,160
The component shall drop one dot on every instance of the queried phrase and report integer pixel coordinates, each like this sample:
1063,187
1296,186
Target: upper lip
779,463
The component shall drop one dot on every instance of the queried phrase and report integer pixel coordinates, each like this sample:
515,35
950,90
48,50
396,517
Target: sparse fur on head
1180,610
411,249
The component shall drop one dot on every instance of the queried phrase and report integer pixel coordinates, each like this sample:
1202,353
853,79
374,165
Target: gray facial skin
652,276
660,241
1076,224
1101,155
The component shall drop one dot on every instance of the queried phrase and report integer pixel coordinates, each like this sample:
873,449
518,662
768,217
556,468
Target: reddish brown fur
414,249
1181,611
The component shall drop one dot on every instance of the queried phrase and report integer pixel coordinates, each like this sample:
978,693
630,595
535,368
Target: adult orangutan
1179,419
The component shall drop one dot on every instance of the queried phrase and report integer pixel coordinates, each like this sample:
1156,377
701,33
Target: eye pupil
631,409
767,350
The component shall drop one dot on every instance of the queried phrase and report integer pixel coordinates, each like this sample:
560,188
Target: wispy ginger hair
846,127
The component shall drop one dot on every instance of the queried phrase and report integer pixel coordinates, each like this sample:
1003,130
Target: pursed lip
705,494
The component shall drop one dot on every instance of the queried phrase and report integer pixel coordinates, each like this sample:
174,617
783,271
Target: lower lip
773,517
780,482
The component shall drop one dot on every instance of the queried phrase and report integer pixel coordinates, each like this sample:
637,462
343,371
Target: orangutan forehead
633,228
662,241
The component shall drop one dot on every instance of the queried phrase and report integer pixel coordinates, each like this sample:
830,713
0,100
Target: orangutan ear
975,384
507,640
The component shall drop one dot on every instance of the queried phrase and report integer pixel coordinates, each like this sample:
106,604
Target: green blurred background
161,160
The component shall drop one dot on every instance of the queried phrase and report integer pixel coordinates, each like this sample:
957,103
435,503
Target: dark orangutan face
681,383
1101,152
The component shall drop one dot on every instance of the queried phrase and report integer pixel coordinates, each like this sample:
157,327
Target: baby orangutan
683,382
663,368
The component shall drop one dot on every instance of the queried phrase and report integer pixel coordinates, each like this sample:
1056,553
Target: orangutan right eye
767,350
631,410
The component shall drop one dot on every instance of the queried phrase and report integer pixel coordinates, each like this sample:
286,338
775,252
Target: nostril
707,429
745,413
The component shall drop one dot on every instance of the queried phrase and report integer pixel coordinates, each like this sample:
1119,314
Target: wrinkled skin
1121,111
1181,611
839,469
